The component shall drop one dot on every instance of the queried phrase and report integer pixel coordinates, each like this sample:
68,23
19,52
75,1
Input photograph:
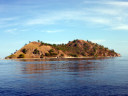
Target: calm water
64,77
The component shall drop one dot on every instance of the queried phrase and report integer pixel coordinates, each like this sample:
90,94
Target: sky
58,21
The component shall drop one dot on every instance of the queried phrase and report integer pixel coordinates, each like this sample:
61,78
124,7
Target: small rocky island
75,48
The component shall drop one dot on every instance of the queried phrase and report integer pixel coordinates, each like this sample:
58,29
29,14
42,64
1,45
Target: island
73,49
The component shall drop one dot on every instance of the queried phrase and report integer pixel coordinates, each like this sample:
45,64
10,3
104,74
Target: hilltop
75,48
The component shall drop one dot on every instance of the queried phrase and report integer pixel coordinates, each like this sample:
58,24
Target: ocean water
64,77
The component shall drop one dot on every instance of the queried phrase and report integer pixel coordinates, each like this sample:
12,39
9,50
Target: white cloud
111,17
11,31
106,11
14,31
57,42
53,17
8,19
44,21
99,20
118,3
98,41
121,27
108,2
52,31
124,41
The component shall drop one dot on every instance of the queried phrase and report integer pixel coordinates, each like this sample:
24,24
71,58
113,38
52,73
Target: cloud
8,19
98,20
53,17
98,41
11,31
121,27
57,42
14,31
103,15
109,2
52,31
118,3
44,21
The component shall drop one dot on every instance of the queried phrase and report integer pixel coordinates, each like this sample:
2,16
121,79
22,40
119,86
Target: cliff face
76,48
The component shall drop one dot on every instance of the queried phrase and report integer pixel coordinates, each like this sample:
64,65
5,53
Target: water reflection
64,77
59,66
62,59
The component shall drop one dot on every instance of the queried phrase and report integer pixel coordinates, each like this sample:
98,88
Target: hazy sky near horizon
59,21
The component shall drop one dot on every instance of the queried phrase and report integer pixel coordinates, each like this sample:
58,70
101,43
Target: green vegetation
42,43
53,54
75,48
112,51
24,51
50,51
11,56
73,55
38,41
83,54
41,56
36,51
92,53
62,55
21,56
47,54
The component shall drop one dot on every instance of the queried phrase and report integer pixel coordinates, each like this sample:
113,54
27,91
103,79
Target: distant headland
75,48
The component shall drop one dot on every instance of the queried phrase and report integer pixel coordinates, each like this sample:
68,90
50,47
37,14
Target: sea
64,77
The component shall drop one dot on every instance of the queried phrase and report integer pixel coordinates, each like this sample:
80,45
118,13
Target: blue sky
59,21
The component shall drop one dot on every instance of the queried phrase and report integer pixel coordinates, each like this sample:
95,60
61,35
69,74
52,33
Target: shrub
62,55
47,54
85,48
54,45
95,49
74,41
50,51
38,41
24,51
42,43
41,56
21,56
83,54
106,49
53,54
96,55
73,55
36,51
92,53
75,44
11,56
112,51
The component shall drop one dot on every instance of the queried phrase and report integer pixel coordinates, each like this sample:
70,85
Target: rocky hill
75,48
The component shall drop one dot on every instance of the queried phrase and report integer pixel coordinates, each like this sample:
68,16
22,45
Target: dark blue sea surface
64,77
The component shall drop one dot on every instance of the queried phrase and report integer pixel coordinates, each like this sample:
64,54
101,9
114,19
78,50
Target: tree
38,40
24,51
83,54
36,51
47,54
42,43
62,55
50,51
21,56
41,56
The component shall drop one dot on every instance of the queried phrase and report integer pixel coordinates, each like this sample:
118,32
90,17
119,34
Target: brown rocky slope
75,48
